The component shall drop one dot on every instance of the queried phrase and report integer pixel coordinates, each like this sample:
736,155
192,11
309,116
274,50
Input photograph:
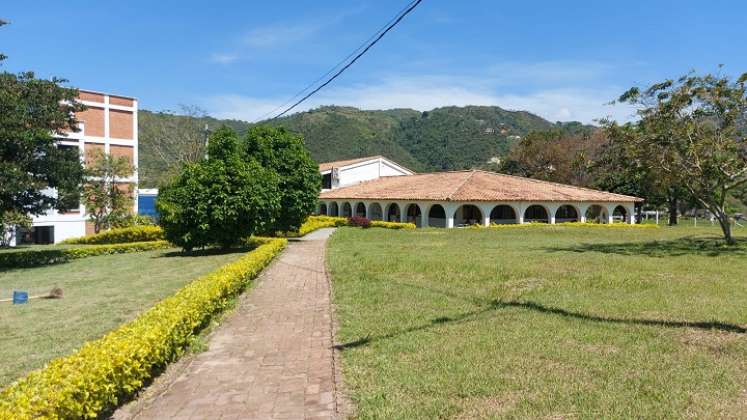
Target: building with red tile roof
458,198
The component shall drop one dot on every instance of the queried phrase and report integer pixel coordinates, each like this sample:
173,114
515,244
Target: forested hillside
442,139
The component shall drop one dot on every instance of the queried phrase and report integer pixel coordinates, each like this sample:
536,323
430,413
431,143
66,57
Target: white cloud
224,58
428,92
281,34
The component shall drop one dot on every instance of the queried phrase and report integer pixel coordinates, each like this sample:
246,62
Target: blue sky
561,60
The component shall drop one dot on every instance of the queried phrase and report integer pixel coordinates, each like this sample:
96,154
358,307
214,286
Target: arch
347,210
536,214
503,215
323,209
566,213
414,215
333,209
620,215
360,210
468,214
437,216
375,212
393,213
596,214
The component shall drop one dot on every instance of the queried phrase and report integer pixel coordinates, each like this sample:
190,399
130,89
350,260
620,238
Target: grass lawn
542,322
100,293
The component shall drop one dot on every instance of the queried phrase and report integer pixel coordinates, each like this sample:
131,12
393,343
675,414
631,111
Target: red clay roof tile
473,185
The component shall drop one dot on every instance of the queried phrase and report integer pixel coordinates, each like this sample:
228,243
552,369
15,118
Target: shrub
392,225
220,200
135,220
121,235
103,372
358,221
570,224
284,153
35,258
317,222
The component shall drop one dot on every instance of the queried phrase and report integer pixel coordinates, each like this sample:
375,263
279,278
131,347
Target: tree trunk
639,213
673,202
723,220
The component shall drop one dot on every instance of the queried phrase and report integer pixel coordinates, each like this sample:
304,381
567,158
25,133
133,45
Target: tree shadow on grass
548,310
709,247
204,252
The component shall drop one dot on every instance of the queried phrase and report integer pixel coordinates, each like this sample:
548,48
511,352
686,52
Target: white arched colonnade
453,214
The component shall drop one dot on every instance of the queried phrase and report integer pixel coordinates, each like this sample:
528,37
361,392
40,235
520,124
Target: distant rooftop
340,163
470,185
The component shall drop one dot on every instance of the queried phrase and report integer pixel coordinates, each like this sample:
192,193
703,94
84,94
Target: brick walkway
271,358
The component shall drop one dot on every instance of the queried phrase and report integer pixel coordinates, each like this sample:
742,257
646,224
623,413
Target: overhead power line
360,52
330,71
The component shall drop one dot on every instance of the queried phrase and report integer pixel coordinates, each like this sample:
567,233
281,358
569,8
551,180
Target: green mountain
442,139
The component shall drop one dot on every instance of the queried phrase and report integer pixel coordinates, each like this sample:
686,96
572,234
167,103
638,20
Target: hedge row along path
272,357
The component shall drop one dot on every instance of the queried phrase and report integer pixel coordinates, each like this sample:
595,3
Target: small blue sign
20,297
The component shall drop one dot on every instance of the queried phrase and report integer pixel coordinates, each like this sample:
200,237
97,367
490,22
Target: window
327,181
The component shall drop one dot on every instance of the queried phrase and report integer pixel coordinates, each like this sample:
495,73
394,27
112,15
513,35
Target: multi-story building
109,124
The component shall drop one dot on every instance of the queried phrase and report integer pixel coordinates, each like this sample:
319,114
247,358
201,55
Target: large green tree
32,112
690,131
622,166
284,153
221,200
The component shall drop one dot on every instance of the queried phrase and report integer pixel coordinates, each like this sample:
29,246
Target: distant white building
344,173
379,189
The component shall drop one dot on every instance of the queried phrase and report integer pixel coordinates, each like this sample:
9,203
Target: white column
450,209
631,214
520,215
610,212
403,211
552,209
423,214
582,212
485,209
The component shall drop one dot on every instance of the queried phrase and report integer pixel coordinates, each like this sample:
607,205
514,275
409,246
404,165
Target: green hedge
121,235
104,371
35,258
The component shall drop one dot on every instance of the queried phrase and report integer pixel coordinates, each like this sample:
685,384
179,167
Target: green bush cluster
35,258
121,236
104,371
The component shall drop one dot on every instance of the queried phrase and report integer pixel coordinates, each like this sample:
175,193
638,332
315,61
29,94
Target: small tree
8,224
692,129
221,200
285,153
108,200
169,140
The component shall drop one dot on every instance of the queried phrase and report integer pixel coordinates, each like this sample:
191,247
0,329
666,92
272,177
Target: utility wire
380,35
343,61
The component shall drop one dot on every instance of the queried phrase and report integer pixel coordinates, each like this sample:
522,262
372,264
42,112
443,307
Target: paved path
271,358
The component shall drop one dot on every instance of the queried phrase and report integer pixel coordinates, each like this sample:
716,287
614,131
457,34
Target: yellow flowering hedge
317,222
569,224
35,258
103,372
121,235
392,225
